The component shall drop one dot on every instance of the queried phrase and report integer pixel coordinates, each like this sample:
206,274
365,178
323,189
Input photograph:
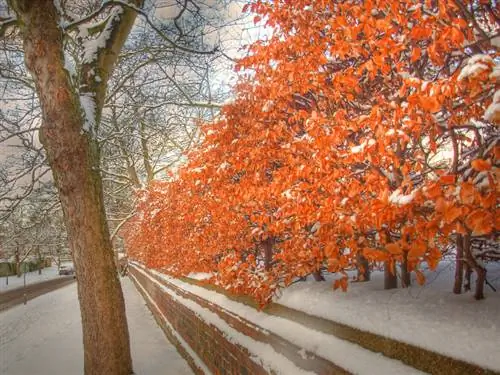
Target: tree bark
74,159
405,275
468,274
267,246
318,276
459,266
390,277
478,268
363,268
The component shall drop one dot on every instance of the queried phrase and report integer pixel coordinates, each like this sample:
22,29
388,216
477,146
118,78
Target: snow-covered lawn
44,337
48,273
431,316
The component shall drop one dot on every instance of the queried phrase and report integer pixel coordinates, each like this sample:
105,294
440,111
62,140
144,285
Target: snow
200,275
400,199
345,354
475,65
44,337
88,105
494,108
431,316
15,282
91,47
361,147
69,65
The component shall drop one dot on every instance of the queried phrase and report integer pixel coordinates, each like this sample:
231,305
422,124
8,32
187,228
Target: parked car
66,270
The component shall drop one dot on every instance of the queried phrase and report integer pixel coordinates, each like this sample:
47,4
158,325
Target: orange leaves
420,33
467,193
430,103
416,53
393,248
420,277
376,255
418,249
447,179
340,283
481,165
480,222
346,112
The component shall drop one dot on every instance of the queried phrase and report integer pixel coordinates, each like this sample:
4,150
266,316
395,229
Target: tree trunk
363,268
405,275
18,262
318,276
459,266
481,277
390,277
267,246
473,264
74,159
468,274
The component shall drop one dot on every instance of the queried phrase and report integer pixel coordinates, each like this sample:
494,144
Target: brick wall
219,355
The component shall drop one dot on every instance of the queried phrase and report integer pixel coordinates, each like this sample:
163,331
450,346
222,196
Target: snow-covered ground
14,282
44,337
431,316
428,316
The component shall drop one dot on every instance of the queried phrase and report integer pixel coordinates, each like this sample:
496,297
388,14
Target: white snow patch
91,47
427,316
88,105
475,65
401,199
14,282
362,146
494,108
200,275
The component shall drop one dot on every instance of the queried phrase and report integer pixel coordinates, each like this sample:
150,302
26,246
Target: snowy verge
15,282
430,317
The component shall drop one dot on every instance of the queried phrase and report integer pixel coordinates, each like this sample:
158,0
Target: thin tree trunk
318,276
267,245
459,266
145,153
473,264
18,262
390,277
468,274
405,275
74,159
363,268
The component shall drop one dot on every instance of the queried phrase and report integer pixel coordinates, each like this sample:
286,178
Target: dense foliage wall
361,132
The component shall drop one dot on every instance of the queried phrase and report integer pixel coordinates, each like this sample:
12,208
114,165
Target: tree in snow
334,149
71,50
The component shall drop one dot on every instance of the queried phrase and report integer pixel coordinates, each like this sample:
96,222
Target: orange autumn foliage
334,145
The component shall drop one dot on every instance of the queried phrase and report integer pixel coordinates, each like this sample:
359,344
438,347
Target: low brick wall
218,353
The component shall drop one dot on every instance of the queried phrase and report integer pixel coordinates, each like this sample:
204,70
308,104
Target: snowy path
44,337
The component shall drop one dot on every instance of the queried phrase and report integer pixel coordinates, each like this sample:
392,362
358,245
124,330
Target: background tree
79,54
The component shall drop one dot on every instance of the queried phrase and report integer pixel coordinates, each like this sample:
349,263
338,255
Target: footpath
44,337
